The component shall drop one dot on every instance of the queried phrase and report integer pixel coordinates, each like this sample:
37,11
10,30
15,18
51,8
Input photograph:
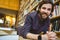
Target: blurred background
13,14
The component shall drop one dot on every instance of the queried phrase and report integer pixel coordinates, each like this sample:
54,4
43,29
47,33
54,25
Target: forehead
47,5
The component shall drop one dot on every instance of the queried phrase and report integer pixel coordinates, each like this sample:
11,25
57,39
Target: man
37,23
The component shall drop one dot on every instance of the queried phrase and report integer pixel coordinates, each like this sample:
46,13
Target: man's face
45,10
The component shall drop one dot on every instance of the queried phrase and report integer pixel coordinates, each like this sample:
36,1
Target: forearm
32,36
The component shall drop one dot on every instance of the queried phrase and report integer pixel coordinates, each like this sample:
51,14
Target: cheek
49,13
41,10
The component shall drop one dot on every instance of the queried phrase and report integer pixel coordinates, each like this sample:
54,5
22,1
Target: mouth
44,15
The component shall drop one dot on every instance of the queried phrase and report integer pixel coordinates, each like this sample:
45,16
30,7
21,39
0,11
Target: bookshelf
57,2
55,19
57,8
25,8
30,5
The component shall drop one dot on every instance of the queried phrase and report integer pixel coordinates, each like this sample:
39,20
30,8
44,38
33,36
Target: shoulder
32,14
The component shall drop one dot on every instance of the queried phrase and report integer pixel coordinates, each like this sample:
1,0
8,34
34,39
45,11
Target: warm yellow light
8,18
13,19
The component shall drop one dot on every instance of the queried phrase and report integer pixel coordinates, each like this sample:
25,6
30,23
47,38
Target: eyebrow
48,8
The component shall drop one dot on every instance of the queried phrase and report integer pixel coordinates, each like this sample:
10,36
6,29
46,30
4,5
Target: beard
43,16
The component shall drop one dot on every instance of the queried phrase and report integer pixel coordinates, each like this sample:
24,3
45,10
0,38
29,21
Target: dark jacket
34,25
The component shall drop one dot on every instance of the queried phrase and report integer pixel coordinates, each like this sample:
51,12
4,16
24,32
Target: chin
44,17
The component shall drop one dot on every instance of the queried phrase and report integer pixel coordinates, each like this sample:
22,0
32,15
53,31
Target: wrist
44,37
39,37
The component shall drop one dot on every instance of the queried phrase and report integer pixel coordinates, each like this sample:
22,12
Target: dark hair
46,2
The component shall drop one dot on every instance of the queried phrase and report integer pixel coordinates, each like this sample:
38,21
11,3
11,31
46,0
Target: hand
51,35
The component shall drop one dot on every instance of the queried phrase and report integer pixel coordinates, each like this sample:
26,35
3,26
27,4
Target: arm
26,29
32,36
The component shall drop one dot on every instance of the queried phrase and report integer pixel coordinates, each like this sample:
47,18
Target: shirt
34,25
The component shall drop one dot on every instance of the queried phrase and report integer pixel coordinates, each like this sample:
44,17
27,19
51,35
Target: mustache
44,13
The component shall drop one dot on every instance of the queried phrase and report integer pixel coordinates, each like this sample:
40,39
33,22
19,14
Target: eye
49,9
43,8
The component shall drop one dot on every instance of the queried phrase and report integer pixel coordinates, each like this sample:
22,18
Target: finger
52,39
52,33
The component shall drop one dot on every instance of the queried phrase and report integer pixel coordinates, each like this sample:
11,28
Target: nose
46,11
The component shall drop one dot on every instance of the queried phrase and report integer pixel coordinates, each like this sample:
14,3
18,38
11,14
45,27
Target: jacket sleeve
27,26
